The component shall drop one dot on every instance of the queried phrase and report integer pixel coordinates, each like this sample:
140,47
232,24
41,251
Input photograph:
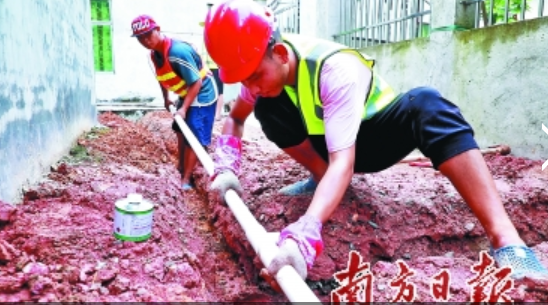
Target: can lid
134,203
134,198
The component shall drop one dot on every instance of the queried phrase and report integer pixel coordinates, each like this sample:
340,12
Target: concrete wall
320,18
497,76
46,86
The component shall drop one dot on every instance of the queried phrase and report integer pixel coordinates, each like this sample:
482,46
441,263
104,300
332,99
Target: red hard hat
236,35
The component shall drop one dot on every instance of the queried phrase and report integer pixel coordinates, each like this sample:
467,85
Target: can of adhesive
133,218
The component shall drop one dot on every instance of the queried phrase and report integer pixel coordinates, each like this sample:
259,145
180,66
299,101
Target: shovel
264,243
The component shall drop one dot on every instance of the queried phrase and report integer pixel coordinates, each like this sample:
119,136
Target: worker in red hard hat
180,69
324,105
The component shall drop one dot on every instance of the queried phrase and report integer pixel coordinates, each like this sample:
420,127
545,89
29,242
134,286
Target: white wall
46,86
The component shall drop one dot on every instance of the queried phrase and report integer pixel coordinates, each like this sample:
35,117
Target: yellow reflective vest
311,54
167,77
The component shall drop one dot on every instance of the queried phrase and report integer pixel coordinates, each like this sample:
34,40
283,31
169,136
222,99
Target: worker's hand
167,103
223,182
226,159
300,243
289,255
182,112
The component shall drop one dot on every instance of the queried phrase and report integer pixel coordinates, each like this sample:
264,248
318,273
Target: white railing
371,22
287,14
365,23
492,12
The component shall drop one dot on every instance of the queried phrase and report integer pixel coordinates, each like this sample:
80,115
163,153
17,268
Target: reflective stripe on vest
311,54
168,78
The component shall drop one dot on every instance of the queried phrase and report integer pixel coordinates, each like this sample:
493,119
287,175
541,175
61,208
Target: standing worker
325,106
179,68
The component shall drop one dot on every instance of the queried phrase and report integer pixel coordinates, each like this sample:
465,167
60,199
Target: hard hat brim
150,30
241,73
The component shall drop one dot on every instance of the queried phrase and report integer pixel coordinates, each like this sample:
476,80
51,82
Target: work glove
300,244
226,165
225,181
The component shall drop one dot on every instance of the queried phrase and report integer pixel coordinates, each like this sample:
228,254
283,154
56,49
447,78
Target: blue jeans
200,121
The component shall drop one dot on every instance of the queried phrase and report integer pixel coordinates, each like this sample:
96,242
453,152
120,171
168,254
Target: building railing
287,14
366,23
493,12
371,22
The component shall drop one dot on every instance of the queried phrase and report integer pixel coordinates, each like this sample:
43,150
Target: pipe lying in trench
294,288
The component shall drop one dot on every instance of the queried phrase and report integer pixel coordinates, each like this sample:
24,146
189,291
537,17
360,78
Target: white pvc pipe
262,242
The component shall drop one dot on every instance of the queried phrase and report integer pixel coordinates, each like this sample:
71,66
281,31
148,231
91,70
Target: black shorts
218,81
420,118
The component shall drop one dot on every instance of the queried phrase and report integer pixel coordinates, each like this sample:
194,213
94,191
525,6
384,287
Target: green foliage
499,6
96,132
80,153
102,35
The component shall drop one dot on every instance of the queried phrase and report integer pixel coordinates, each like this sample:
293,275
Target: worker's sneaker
522,259
186,186
302,187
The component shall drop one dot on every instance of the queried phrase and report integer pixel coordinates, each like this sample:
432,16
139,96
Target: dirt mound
407,213
57,245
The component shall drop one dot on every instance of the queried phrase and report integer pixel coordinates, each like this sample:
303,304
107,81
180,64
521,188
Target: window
102,35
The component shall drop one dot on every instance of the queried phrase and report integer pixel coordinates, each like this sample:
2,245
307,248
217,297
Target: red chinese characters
356,282
490,284
406,290
496,281
439,286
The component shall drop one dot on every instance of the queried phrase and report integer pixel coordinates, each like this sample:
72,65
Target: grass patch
79,153
96,133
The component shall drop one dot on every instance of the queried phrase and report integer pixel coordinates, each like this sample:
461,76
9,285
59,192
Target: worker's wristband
306,232
227,155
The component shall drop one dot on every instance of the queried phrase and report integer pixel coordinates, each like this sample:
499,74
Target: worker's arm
228,149
191,95
333,185
186,64
344,89
344,97
194,88
234,123
165,94
301,242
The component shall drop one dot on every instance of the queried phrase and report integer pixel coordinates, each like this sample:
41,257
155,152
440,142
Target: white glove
289,255
225,181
